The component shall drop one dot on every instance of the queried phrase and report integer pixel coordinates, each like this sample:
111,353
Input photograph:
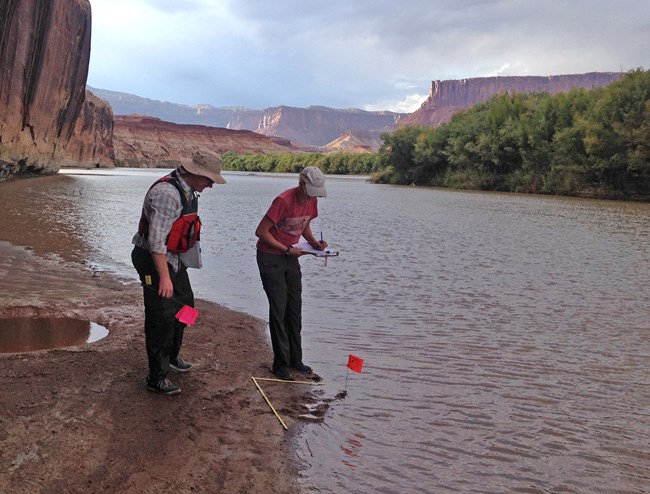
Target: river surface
505,338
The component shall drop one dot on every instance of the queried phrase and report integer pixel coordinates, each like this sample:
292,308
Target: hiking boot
283,374
179,365
302,368
164,386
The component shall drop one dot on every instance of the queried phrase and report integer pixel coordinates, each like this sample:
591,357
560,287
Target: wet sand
80,419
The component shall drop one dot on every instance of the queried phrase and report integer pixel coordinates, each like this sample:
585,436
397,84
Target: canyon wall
142,141
91,143
312,126
449,97
44,56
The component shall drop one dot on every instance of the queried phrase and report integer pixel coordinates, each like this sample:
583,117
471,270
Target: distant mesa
449,97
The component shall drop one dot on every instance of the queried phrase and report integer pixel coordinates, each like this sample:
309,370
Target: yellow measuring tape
268,402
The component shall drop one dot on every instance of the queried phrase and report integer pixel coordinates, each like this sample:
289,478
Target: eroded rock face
449,97
142,141
314,126
44,55
91,143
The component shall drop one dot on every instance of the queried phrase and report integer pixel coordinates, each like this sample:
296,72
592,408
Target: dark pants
282,282
163,332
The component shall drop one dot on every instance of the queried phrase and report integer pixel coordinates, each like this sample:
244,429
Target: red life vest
186,230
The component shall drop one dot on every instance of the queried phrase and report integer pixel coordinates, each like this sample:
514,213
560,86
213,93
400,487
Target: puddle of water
26,334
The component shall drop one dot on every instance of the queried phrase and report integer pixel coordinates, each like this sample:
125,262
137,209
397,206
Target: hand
165,288
322,245
296,252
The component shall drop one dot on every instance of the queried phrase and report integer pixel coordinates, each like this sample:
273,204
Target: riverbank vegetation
338,163
592,143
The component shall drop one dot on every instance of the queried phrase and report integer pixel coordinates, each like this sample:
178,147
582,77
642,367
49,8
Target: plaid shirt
162,206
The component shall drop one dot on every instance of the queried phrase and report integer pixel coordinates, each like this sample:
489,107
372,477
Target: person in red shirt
284,223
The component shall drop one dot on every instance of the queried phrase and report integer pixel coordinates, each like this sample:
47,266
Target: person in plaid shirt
166,244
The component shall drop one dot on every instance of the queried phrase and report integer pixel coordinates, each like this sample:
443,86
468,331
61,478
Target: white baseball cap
314,181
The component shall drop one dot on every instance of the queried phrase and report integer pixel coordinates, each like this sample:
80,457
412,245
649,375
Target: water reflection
352,449
25,334
43,213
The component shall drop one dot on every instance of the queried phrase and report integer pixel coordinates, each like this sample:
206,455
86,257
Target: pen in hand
322,244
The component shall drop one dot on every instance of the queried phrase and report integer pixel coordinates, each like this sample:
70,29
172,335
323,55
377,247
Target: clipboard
308,249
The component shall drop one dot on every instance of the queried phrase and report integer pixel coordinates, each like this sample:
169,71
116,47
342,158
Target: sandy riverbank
81,420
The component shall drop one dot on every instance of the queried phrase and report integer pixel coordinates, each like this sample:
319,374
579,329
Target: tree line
584,142
337,163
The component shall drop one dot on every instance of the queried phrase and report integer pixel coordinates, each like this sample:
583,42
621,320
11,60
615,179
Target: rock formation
318,125
355,142
313,126
91,144
449,97
143,141
44,55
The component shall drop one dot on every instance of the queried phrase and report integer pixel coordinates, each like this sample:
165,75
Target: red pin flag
355,363
187,315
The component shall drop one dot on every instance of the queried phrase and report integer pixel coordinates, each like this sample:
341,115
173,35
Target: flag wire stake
345,390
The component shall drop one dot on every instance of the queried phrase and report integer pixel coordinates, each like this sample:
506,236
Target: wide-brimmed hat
314,180
206,164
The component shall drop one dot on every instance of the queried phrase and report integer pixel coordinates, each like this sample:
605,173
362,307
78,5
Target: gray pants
282,282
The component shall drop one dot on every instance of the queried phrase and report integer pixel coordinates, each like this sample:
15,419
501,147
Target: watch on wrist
288,251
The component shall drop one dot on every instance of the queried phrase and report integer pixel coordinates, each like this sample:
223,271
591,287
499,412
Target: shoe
302,368
164,386
179,365
283,374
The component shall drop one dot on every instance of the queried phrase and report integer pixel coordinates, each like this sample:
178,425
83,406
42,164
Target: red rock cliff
448,97
44,55
91,143
142,141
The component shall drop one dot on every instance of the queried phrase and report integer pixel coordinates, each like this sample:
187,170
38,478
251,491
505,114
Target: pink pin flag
355,363
187,315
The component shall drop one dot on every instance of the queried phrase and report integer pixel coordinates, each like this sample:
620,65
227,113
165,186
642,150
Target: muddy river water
505,338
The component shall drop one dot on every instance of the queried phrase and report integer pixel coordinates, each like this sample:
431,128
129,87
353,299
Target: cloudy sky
370,54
